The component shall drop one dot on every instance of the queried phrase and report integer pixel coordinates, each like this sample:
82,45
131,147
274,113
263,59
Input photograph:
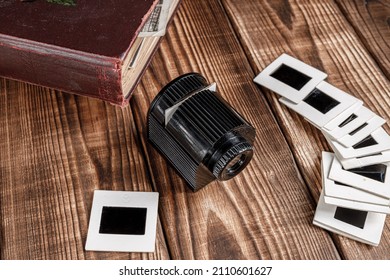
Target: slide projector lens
198,132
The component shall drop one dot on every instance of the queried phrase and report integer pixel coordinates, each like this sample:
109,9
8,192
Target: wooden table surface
57,148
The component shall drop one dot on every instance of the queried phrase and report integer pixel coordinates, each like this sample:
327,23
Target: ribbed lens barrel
212,141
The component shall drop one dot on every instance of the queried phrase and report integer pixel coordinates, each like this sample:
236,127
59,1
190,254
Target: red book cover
78,46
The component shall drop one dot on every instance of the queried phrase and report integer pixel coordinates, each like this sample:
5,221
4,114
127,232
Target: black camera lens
200,134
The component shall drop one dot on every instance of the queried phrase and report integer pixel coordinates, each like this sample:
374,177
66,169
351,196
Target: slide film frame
295,95
381,143
122,242
347,196
340,127
316,117
370,234
338,174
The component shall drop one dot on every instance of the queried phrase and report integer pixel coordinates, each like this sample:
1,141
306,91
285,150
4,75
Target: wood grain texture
55,150
265,212
371,21
317,33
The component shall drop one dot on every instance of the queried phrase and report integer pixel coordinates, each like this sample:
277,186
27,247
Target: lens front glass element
234,166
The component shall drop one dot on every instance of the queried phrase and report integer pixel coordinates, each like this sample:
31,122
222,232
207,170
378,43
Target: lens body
201,135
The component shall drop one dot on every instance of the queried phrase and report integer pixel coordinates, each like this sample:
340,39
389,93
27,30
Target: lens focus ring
233,161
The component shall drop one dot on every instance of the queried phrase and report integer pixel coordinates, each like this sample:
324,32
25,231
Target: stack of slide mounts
355,197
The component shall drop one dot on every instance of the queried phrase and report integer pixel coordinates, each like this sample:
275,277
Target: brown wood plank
317,33
266,211
371,21
55,150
